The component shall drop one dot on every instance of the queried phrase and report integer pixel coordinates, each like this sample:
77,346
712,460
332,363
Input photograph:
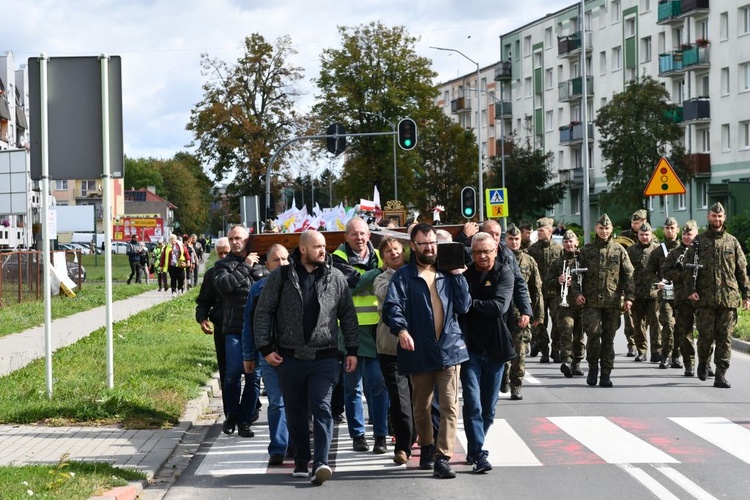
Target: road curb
740,345
194,409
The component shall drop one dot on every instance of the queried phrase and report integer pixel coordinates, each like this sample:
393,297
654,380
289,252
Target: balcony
570,45
88,194
698,163
670,64
573,89
696,109
674,115
460,105
669,11
503,71
695,57
573,133
503,110
500,149
690,7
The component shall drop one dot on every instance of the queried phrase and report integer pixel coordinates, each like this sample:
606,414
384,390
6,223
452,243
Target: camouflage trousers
646,315
684,319
516,368
627,318
540,338
670,343
715,326
572,346
600,326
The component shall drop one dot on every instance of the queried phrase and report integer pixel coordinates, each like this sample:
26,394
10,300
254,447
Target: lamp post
393,126
479,131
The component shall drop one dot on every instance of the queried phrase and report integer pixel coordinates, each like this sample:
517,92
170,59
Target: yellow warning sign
664,181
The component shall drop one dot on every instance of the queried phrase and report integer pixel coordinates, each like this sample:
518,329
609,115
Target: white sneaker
321,474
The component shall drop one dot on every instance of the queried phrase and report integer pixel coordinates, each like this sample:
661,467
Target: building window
537,59
527,86
617,58
703,193
744,77
678,91
724,26
616,11
484,117
646,49
681,202
63,203
61,185
645,5
630,27
527,46
704,140
548,78
744,135
561,160
548,38
724,81
518,50
575,202
744,19
549,120
725,141
602,63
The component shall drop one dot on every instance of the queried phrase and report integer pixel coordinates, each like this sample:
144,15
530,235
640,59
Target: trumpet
564,287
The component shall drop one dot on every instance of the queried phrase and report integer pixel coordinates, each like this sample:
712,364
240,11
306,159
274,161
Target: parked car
119,247
85,250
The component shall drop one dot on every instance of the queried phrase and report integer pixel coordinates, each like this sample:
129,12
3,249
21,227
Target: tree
528,172
636,129
141,173
375,72
187,192
246,113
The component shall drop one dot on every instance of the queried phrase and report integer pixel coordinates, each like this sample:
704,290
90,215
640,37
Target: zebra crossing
634,444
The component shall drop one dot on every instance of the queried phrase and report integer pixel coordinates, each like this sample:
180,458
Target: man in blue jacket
422,308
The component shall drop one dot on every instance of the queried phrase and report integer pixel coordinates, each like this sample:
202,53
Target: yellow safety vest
365,302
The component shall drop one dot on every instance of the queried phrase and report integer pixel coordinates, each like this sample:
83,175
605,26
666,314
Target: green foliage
739,227
376,70
141,173
635,131
528,172
246,113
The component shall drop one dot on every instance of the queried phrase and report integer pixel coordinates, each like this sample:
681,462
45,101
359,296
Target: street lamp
393,126
479,130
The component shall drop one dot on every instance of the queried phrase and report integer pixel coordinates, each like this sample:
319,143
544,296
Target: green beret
604,220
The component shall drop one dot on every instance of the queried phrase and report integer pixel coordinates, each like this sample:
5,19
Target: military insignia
488,283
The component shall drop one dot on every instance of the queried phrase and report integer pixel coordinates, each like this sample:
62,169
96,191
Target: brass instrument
624,241
564,289
695,266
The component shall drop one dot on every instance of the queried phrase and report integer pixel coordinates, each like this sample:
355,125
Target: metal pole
44,125
586,215
479,132
107,220
393,126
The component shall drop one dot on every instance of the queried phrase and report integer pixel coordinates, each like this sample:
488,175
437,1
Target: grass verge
161,359
120,267
15,318
64,481
742,331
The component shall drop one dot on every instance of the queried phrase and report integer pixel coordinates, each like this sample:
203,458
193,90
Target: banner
147,228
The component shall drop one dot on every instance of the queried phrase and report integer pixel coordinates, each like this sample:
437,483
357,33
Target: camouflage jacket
609,275
722,281
639,255
533,278
657,258
552,279
672,269
544,252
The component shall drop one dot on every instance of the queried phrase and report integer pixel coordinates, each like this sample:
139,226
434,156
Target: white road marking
685,483
506,447
651,484
720,432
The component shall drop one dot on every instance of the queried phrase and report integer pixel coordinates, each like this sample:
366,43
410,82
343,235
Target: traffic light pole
269,170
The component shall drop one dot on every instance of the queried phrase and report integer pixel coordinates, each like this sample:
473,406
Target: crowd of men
396,327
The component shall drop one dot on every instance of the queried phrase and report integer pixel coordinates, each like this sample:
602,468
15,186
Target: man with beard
306,300
422,308
717,289
609,277
644,311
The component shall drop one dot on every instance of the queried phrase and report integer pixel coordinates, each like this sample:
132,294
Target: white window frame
724,26
61,185
680,202
616,11
743,19
726,143
617,58
703,194
548,38
744,135
548,78
725,81
549,120
744,77
646,49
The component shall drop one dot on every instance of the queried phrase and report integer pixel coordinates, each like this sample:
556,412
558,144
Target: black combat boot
545,357
565,369
593,374
721,382
702,371
689,369
576,369
604,381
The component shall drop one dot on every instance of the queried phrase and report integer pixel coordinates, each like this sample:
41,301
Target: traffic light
407,134
468,202
336,145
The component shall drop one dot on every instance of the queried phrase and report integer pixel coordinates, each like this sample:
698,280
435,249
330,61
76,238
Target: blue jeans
308,384
276,415
480,379
376,392
239,403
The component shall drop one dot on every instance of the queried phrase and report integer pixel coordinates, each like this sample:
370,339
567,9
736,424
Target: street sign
496,202
664,181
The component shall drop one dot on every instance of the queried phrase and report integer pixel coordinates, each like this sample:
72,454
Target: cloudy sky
161,41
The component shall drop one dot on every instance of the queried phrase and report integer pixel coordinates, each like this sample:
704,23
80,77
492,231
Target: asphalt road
655,434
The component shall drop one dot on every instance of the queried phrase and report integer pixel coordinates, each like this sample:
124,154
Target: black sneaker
426,457
321,474
442,469
379,447
229,424
481,464
359,443
276,459
300,470
338,418
244,430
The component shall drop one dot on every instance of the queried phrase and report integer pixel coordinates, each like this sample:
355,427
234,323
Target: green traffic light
407,142
468,212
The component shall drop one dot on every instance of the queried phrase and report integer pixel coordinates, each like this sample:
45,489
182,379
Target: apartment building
700,51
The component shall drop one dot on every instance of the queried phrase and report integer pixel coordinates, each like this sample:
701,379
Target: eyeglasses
483,252
422,244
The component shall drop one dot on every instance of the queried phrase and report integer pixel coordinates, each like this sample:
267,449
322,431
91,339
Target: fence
21,274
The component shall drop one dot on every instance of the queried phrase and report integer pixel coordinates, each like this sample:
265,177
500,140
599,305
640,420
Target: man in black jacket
488,341
233,279
208,312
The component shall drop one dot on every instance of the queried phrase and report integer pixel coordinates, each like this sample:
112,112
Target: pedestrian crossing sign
496,202
664,181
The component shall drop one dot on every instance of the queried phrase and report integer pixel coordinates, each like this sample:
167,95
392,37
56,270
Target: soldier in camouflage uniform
609,277
572,346
544,251
684,312
525,227
522,336
670,348
720,287
645,309
636,221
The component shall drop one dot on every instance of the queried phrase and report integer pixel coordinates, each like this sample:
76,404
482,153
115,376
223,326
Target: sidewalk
143,450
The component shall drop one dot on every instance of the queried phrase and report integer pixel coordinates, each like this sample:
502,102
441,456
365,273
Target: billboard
146,227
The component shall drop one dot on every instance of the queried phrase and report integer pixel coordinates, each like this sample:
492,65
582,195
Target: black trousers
400,411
